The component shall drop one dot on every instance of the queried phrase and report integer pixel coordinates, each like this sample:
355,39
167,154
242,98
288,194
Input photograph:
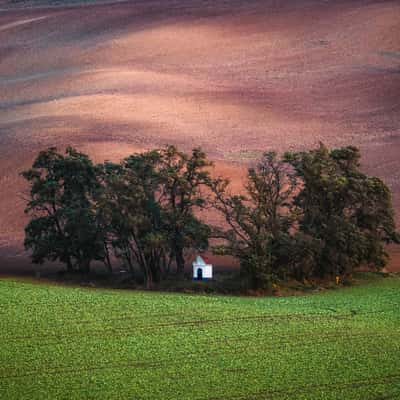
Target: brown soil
233,77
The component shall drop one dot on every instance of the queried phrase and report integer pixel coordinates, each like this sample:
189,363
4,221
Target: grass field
76,343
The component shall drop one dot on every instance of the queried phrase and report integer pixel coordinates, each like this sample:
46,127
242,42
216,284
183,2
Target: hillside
233,77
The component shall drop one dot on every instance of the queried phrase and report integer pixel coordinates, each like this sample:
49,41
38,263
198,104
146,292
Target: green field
76,343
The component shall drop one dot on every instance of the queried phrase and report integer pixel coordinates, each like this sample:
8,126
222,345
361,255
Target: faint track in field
184,356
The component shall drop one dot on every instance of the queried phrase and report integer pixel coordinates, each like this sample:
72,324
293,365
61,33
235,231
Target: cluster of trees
141,211
303,215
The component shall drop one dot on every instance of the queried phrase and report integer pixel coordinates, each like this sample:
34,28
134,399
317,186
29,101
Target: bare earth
235,77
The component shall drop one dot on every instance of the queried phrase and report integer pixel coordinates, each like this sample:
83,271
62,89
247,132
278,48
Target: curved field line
190,323
197,322
144,364
301,389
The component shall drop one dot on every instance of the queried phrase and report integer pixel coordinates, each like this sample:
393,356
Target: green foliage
148,205
309,214
63,224
132,214
63,342
142,209
184,180
346,216
259,221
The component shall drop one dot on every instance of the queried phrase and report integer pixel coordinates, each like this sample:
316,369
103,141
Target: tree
149,204
63,223
184,180
347,215
133,215
308,214
259,221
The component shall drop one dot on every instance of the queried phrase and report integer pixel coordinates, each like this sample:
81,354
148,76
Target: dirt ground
236,78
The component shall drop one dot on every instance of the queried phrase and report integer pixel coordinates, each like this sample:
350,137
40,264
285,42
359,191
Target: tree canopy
63,223
348,214
259,221
304,215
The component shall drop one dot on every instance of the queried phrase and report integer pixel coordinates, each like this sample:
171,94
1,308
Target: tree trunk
156,275
84,266
128,260
149,279
69,265
180,263
107,258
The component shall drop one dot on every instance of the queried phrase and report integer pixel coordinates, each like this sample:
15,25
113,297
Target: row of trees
302,215
142,210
